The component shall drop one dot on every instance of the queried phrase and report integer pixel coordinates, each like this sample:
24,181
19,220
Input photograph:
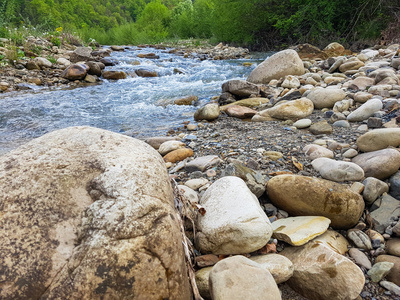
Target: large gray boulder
88,214
286,62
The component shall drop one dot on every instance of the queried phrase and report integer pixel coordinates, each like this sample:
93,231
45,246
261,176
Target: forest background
257,24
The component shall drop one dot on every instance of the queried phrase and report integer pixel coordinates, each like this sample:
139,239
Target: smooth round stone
202,277
362,97
338,170
307,196
378,139
366,110
293,109
393,247
237,277
380,164
234,221
373,189
302,123
280,267
321,128
333,240
360,258
313,151
326,98
359,238
341,123
350,153
208,112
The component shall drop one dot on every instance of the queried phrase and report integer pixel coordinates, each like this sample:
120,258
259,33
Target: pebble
380,270
360,258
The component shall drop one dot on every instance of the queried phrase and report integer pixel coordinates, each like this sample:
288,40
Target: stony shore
264,131
291,179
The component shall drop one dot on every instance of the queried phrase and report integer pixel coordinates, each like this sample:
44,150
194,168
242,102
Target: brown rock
380,164
307,51
393,247
189,100
206,260
115,75
320,273
351,65
94,68
306,196
146,73
394,274
84,214
322,127
75,72
240,112
178,155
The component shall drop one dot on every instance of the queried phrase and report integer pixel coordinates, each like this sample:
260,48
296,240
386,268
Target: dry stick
181,205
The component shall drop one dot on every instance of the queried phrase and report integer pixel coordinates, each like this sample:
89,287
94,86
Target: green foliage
51,59
182,20
265,23
154,20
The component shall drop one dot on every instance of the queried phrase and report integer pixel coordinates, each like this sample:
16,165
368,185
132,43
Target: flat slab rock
299,230
84,214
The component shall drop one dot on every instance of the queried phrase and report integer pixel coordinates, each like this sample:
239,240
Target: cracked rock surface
86,213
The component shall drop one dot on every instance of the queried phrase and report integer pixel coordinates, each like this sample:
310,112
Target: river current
135,106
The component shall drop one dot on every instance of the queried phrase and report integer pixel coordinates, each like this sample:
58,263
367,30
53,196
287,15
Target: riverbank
346,137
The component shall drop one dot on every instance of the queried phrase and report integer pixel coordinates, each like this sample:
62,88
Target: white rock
43,62
238,277
196,183
280,267
299,230
63,61
326,98
366,110
302,123
314,151
189,193
290,82
321,273
337,170
234,222
169,146
286,62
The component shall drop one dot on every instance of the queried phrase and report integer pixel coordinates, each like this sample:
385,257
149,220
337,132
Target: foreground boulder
85,213
321,273
234,221
307,196
286,62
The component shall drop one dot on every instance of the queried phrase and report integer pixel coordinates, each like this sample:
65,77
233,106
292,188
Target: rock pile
317,146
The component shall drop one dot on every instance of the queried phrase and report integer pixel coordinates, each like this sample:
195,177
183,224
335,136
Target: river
135,106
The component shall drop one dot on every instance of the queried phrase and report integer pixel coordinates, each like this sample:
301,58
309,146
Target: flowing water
135,106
